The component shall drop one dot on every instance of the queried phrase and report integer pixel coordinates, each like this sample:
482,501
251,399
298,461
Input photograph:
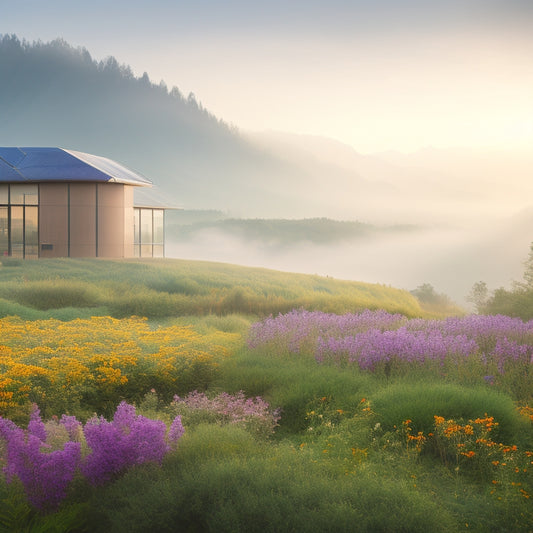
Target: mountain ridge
56,95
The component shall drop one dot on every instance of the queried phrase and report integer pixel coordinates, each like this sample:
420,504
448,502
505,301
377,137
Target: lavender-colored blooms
373,338
14,438
128,440
235,409
36,425
296,328
44,475
175,432
73,427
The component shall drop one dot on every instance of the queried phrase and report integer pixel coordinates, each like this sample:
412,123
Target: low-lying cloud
451,259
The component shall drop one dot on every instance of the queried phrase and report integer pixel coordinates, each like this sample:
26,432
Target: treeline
516,301
51,89
63,70
280,232
53,94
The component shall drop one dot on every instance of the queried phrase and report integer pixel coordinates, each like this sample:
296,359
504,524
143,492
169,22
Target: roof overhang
34,165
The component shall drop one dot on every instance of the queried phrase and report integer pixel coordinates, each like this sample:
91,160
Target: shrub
252,414
53,294
258,490
420,402
46,473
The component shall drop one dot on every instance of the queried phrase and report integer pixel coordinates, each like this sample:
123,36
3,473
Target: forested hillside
55,95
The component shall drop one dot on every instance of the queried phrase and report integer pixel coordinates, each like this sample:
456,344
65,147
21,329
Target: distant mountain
55,95
52,94
433,185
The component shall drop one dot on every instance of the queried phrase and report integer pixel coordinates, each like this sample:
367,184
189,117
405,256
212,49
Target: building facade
61,203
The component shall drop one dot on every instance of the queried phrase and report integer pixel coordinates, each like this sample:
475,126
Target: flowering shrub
95,363
469,447
496,348
46,473
128,440
254,414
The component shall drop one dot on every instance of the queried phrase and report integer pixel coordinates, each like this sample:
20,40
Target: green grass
169,288
221,480
338,461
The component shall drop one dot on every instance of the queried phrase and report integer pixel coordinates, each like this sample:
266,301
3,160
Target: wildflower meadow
305,420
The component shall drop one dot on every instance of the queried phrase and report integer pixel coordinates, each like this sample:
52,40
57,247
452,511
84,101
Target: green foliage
528,270
435,302
420,402
169,288
16,515
478,296
517,301
293,385
220,480
52,294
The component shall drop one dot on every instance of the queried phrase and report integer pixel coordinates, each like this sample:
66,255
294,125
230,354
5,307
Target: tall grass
223,481
162,288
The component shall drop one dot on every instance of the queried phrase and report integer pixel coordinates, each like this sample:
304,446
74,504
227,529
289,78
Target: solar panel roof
57,164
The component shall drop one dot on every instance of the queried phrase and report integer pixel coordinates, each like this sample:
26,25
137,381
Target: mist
451,259
471,208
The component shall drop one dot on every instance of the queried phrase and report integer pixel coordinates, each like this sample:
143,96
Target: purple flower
228,408
128,440
36,425
175,432
45,475
73,427
373,339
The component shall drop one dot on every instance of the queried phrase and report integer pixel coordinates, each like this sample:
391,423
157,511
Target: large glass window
17,231
19,220
4,231
149,232
4,194
24,195
31,232
136,233
159,226
146,227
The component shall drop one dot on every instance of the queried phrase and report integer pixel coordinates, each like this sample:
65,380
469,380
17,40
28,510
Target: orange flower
469,453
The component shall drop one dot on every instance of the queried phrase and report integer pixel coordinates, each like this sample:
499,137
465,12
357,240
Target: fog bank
451,259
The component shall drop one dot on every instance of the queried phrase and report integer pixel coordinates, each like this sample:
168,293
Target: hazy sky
376,74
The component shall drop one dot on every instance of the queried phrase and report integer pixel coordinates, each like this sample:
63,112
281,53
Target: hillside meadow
187,396
157,289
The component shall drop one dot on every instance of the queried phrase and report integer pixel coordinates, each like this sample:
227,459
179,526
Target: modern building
62,203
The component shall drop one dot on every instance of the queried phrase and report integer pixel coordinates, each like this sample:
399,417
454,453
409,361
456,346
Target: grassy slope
290,483
68,288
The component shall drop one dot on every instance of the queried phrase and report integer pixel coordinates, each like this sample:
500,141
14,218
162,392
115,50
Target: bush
53,294
292,386
46,457
252,414
421,402
221,481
